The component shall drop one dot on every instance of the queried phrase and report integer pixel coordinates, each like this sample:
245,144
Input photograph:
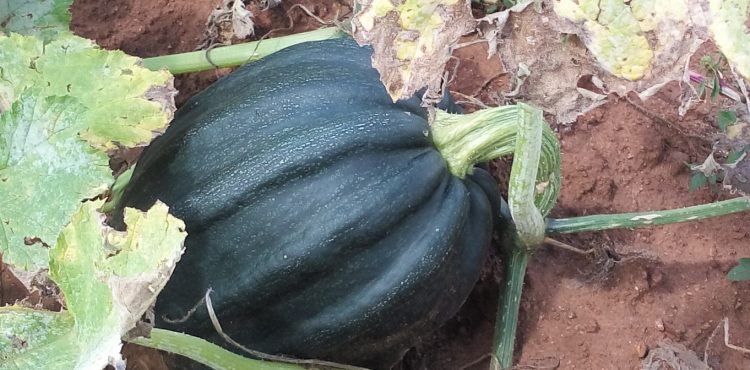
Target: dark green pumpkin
318,210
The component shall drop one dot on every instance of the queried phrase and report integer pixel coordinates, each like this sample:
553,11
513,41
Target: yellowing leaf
108,278
729,31
615,32
637,45
63,106
412,40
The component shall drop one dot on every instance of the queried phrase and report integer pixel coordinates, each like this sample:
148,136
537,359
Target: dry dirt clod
641,349
659,325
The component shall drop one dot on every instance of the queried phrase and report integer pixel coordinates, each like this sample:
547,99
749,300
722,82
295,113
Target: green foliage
63,106
41,18
509,3
108,278
699,180
492,6
711,66
725,118
736,155
740,272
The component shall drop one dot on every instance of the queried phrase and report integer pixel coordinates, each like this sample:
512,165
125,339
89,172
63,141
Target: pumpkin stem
465,140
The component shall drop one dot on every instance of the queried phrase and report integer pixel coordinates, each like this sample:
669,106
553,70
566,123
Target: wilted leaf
612,33
729,31
412,40
68,104
229,20
109,279
668,355
641,44
637,45
43,18
734,143
737,176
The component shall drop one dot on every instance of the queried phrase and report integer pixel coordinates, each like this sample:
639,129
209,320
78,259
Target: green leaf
63,106
740,272
725,118
697,181
43,18
701,88
26,335
715,88
109,278
734,156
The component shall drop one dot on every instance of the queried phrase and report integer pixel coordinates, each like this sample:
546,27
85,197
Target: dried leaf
736,141
637,46
672,356
229,20
412,40
242,22
737,176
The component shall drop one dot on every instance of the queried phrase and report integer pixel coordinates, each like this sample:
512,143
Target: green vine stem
465,140
206,353
527,231
504,340
234,55
643,219
528,220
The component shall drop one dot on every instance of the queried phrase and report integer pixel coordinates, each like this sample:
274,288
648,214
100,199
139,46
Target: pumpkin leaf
740,272
109,279
612,31
28,336
636,46
730,33
632,46
63,107
43,18
697,181
412,40
725,118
